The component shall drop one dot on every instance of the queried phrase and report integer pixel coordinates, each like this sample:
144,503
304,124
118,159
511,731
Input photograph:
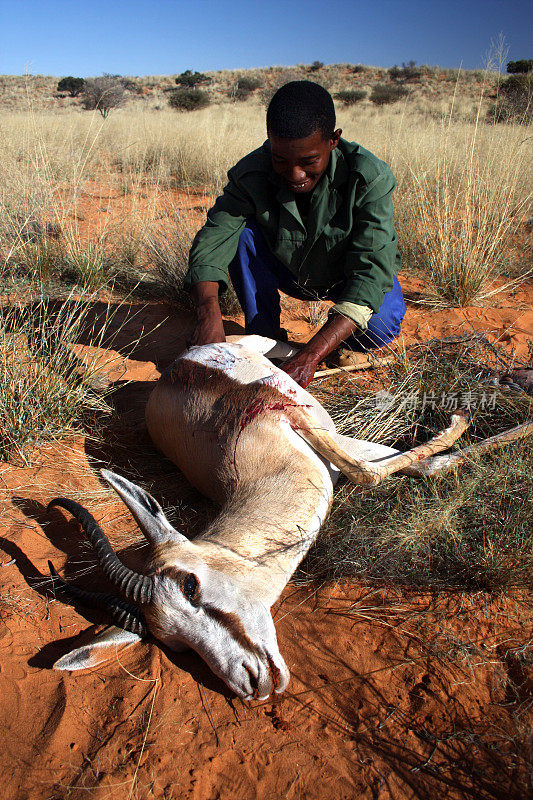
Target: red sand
371,712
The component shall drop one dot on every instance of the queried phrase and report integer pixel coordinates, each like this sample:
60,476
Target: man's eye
190,586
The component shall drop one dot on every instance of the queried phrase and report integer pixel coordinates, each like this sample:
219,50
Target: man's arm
209,327
303,366
212,250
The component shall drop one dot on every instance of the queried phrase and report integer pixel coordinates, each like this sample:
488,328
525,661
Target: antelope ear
102,648
148,514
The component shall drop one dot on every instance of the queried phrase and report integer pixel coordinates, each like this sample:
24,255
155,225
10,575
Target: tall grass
465,211
463,186
470,530
167,248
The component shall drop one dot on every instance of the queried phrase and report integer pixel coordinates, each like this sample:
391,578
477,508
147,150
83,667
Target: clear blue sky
65,37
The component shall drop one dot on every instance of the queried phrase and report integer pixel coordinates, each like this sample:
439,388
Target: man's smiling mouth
300,185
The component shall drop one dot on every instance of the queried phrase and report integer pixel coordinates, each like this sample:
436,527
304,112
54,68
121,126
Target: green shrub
524,65
131,86
407,72
357,68
244,87
350,96
315,66
74,86
515,102
188,99
192,79
383,94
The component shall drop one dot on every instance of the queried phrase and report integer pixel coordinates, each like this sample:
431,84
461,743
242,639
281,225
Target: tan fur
217,430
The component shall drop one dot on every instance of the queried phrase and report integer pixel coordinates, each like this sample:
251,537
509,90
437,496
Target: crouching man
309,214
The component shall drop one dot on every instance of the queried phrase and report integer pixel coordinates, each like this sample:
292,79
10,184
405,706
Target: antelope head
185,600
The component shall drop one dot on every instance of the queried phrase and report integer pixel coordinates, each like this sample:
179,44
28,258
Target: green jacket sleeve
372,257
359,314
215,245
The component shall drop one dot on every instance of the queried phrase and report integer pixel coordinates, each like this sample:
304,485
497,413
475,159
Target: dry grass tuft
46,389
16,604
316,313
167,249
89,264
471,529
465,211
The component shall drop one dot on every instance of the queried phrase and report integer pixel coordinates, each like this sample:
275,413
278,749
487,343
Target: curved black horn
133,585
121,613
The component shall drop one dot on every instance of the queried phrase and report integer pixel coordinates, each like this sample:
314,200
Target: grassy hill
429,88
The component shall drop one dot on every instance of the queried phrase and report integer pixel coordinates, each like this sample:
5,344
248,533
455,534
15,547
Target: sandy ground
393,694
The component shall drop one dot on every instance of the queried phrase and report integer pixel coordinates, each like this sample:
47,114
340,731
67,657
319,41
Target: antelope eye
190,586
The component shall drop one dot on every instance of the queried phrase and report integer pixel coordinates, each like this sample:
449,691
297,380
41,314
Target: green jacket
349,242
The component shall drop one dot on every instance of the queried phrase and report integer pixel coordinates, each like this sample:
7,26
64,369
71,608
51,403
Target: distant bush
350,96
525,65
383,94
71,85
407,72
315,66
188,99
515,102
357,68
244,87
132,86
103,93
192,79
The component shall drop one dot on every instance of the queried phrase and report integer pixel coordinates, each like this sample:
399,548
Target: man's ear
335,138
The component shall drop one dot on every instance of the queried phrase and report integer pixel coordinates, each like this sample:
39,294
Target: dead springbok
247,436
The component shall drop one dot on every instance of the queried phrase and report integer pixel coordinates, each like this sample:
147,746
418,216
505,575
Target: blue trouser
257,276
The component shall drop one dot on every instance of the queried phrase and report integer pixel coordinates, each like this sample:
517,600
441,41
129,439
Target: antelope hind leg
439,465
361,470
360,449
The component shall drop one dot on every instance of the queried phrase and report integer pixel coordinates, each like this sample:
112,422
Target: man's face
302,162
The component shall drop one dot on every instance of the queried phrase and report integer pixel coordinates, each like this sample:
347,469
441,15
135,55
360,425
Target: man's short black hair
299,109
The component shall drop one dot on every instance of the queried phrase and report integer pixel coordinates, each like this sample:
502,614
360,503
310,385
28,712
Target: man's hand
209,326
303,366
